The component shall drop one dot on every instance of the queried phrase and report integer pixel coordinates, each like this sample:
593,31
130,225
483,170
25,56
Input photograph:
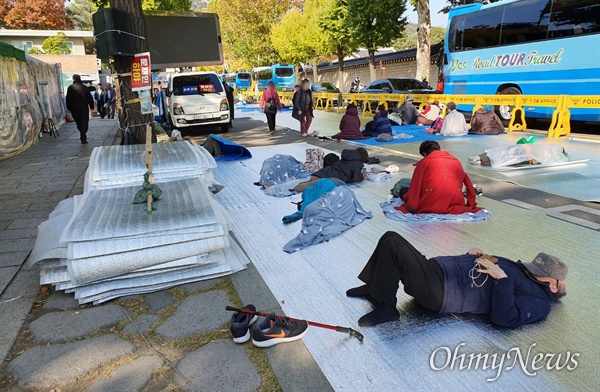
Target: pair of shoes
305,135
374,161
273,330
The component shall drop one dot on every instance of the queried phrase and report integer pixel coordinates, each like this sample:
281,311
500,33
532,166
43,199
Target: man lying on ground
436,184
510,293
347,169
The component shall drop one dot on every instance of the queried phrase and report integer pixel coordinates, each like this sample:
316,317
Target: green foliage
166,5
80,12
35,50
333,22
376,24
297,36
56,44
408,38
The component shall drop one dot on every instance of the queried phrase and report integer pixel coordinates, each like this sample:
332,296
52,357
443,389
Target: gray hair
451,106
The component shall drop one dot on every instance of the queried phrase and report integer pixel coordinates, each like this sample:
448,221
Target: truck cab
196,98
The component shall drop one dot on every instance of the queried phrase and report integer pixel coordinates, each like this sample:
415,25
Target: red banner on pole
141,75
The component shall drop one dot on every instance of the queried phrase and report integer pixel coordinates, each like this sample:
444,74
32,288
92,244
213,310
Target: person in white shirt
454,122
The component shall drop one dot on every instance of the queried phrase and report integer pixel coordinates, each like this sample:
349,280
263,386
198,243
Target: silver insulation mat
100,246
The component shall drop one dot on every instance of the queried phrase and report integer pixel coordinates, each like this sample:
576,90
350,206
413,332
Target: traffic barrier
559,126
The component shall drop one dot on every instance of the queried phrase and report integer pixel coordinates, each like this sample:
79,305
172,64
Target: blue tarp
392,213
330,215
418,136
231,150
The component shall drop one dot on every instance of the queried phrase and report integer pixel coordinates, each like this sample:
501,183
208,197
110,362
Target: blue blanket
390,212
418,136
280,173
330,215
231,150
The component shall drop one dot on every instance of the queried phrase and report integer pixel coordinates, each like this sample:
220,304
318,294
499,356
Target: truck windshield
196,84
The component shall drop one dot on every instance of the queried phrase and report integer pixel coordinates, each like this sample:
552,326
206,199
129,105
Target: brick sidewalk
32,184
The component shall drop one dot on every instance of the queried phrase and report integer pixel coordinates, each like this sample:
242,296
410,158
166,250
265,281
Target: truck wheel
225,128
505,111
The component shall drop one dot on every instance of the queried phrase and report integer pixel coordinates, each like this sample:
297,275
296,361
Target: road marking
557,212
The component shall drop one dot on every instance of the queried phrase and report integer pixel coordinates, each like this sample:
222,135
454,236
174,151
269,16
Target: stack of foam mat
101,246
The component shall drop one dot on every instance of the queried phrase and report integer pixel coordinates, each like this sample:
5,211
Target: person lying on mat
348,169
510,293
350,125
436,184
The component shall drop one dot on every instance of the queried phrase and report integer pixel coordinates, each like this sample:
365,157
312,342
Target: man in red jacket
436,186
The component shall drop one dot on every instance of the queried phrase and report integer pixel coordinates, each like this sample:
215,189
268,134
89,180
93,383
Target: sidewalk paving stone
218,366
67,325
196,314
61,364
16,234
62,301
144,323
198,286
16,245
6,275
159,300
12,259
131,377
25,223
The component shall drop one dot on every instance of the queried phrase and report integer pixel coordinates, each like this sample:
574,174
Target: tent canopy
10,51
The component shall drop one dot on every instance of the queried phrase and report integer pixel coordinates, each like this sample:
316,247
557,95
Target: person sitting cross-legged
510,293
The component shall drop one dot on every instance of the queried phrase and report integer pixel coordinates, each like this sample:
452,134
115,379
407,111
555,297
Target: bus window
525,21
571,17
482,30
284,72
265,74
243,76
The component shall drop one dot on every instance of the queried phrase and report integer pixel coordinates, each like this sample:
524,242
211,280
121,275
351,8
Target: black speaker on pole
113,33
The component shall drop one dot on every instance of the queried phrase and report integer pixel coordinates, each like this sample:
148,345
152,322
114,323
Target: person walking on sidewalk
303,107
79,103
100,97
269,104
510,293
111,101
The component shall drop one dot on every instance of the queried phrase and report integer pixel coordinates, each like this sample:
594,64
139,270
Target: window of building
23,45
70,46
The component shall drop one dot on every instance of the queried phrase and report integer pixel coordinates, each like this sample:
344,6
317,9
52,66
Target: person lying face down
510,293
436,184
348,169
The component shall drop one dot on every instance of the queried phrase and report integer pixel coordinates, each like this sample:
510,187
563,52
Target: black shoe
380,315
240,325
84,142
275,330
361,291
374,160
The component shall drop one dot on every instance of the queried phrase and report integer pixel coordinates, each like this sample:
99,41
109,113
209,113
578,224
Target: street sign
141,75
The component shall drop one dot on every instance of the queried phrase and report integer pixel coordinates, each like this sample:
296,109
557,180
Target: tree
454,3
333,23
56,44
297,36
246,27
375,24
166,5
423,38
408,39
35,50
80,12
34,14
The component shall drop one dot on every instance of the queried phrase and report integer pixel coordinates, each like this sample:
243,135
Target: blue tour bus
283,75
533,47
239,81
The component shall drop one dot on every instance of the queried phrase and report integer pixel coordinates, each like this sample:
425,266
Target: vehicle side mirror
168,92
388,89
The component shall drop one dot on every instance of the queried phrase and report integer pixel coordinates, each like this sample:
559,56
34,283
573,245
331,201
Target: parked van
196,98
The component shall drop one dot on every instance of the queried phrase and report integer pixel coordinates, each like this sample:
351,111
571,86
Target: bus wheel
505,111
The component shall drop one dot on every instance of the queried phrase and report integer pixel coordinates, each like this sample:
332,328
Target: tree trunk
136,121
340,54
372,70
315,71
423,40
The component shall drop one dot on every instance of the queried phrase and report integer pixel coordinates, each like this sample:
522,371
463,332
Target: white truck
196,98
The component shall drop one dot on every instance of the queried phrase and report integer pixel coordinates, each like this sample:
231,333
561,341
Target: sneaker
275,330
240,325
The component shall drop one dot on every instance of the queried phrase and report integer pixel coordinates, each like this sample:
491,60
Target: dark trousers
271,121
101,109
82,119
395,260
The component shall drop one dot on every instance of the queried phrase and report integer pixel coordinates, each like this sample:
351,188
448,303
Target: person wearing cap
78,100
510,293
410,114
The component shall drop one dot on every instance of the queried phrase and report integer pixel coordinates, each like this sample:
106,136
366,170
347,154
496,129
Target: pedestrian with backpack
269,104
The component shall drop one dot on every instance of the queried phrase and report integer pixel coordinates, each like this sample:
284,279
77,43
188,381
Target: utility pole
131,116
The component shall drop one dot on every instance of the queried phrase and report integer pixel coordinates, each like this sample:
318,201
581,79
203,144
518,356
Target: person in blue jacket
380,124
510,293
